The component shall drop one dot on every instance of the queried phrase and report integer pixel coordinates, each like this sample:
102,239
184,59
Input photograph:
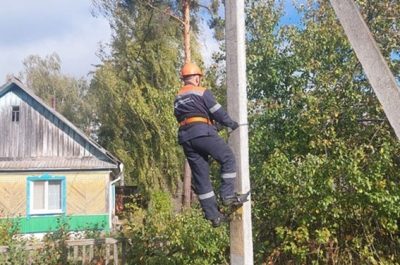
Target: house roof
98,157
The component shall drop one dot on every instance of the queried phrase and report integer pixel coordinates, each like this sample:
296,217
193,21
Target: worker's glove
234,126
219,126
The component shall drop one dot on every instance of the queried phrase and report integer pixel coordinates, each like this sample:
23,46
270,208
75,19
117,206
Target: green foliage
342,209
9,228
69,96
328,165
138,81
9,236
15,253
134,90
160,236
92,231
53,248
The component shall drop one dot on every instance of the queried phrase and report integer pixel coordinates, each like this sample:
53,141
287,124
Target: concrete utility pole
374,64
241,241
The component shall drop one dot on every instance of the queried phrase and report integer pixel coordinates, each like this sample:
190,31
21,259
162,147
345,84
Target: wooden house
49,169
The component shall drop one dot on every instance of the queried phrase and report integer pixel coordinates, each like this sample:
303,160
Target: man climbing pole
196,110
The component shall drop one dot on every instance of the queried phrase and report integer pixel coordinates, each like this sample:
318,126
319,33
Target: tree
328,170
183,13
145,61
68,95
135,88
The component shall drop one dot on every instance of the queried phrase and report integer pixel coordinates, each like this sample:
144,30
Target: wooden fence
103,251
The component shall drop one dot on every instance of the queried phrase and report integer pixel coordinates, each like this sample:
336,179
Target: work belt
195,119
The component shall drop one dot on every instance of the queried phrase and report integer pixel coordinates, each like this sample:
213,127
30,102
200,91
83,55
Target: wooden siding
44,224
39,133
13,197
44,142
87,193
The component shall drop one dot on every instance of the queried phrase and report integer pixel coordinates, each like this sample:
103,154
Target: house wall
86,200
38,133
40,145
45,224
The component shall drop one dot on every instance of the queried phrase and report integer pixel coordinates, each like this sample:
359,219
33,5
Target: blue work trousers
198,151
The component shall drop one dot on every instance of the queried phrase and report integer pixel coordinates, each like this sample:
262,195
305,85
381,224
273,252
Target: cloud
209,44
43,27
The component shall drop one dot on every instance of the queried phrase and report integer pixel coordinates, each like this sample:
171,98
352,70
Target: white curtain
54,194
47,193
38,195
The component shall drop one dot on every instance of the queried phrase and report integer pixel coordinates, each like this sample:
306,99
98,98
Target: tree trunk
187,186
186,30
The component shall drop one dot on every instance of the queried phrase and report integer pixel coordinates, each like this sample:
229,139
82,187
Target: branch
168,12
206,7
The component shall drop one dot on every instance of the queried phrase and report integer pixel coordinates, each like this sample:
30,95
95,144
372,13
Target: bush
160,236
9,229
328,211
54,249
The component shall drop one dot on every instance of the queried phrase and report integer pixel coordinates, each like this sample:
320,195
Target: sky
65,27
44,27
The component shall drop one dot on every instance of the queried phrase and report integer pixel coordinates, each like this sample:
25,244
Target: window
46,195
15,114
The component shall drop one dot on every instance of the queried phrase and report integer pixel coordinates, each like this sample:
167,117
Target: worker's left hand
219,126
234,126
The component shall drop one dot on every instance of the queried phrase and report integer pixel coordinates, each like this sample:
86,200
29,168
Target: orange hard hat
191,69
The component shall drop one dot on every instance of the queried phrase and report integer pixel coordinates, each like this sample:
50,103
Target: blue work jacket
196,101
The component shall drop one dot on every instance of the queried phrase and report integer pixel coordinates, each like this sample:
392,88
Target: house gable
34,136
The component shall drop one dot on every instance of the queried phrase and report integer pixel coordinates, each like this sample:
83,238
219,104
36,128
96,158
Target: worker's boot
222,219
237,199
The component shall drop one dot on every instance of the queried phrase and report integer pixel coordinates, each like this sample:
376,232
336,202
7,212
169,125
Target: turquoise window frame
46,177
